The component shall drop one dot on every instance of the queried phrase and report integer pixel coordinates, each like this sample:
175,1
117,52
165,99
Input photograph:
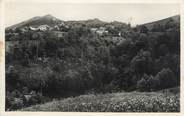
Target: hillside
90,56
175,19
37,21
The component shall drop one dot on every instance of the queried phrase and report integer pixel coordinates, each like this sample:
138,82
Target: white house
43,27
59,34
94,30
100,31
33,28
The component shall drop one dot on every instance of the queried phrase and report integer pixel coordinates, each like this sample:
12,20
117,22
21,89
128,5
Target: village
34,34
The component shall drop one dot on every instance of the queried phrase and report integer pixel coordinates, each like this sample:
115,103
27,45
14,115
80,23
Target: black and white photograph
92,57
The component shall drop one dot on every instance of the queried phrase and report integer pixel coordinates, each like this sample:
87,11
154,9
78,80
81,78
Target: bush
166,78
141,84
147,83
153,83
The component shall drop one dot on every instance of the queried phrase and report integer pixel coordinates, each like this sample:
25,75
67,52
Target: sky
128,13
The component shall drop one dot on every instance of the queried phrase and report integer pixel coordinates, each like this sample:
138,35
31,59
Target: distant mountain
90,22
95,21
175,19
37,21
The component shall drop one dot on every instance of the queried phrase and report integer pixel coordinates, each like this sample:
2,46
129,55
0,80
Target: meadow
114,102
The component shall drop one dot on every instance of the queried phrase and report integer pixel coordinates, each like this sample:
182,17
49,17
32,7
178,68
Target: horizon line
94,19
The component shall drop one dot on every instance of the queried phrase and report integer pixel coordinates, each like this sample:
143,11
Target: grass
114,102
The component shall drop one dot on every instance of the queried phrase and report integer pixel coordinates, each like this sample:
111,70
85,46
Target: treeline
83,62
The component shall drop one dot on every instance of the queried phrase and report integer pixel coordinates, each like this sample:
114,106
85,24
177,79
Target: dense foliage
47,66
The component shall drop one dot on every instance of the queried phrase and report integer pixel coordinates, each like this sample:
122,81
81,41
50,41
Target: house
93,30
43,27
56,27
99,31
33,28
59,34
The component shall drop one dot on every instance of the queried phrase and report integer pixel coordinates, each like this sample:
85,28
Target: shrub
148,83
141,85
166,78
153,83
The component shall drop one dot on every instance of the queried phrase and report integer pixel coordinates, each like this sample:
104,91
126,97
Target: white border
2,53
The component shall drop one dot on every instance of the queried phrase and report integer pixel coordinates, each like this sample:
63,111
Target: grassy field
114,102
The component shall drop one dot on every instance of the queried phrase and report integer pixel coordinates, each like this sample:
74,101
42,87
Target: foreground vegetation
114,102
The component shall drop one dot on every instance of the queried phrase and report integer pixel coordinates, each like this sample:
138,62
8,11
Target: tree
163,50
123,48
143,29
142,63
